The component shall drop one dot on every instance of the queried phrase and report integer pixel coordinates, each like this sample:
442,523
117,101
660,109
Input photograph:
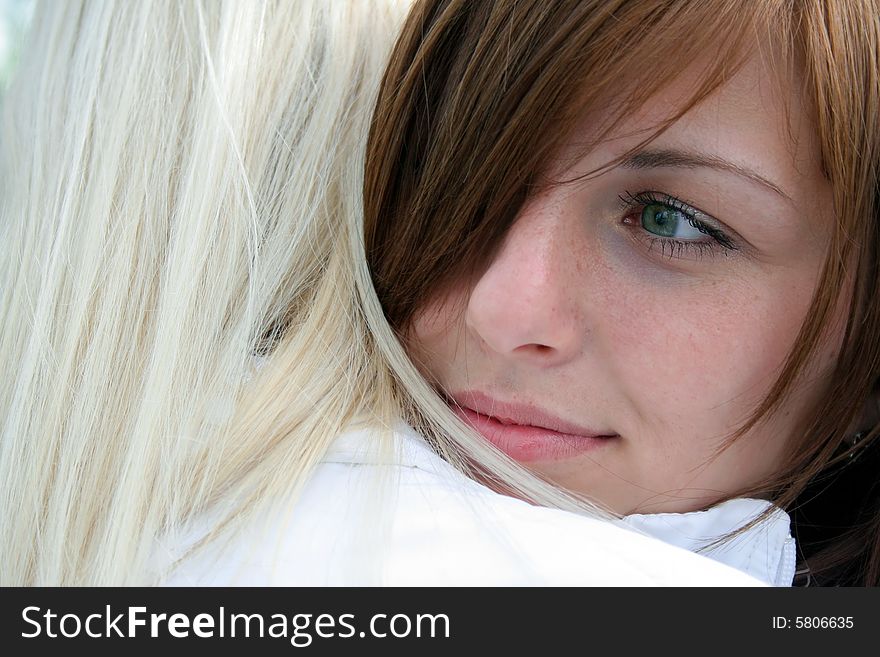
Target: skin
671,348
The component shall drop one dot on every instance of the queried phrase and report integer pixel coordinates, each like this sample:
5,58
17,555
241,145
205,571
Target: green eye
674,224
666,221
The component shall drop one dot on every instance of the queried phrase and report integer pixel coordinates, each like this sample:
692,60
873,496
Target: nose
524,306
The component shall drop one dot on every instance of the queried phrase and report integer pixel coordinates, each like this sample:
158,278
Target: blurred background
14,18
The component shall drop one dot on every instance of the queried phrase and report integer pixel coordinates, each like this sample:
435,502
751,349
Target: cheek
431,337
704,353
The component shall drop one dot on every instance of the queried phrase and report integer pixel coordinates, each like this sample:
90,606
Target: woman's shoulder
404,516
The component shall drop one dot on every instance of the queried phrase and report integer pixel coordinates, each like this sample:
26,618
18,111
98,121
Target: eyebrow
657,158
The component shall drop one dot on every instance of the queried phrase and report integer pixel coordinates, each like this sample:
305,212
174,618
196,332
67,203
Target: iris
663,220
667,221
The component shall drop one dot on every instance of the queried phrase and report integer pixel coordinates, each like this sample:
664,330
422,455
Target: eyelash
633,204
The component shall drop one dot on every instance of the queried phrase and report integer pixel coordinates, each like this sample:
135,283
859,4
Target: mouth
526,432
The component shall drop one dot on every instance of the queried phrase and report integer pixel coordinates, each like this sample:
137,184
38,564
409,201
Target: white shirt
433,527
765,550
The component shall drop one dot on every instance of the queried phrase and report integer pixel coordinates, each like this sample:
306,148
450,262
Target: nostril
535,348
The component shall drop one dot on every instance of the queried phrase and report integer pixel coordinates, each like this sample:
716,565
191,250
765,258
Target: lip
526,432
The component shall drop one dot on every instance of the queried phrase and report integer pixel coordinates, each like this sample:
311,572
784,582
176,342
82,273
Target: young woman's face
651,305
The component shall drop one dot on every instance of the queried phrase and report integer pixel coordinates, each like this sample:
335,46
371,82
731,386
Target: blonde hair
181,200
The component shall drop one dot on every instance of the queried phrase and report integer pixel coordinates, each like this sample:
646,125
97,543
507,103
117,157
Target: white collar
410,450
766,550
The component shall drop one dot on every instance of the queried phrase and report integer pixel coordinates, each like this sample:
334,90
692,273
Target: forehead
759,119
